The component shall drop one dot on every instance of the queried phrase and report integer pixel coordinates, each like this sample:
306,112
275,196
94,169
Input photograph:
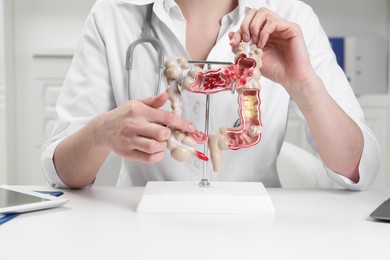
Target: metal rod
210,62
204,182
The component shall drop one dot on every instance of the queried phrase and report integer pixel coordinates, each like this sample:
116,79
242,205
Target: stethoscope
146,37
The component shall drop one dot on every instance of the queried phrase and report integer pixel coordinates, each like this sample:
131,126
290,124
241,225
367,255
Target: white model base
217,198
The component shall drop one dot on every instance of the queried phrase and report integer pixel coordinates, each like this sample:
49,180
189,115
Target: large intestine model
242,76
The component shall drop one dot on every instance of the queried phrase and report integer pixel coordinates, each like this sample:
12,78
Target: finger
276,27
144,157
267,29
147,145
257,24
130,130
230,35
155,131
235,38
244,28
163,117
133,140
156,101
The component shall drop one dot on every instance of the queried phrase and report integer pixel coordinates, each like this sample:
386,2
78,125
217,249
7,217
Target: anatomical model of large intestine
243,76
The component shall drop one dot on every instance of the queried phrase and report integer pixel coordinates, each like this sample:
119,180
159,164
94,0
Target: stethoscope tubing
146,37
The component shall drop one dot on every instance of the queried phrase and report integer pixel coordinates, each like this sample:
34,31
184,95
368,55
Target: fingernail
254,39
260,44
245,37
233,39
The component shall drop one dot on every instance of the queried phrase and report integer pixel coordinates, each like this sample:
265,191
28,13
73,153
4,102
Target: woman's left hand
285,59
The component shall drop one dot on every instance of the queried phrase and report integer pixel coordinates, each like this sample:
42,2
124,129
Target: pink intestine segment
243,77
226,78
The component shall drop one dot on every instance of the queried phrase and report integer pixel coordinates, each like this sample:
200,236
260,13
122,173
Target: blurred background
38,38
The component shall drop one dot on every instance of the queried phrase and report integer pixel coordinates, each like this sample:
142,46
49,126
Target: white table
101,223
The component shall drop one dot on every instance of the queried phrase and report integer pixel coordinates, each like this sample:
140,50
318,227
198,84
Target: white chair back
298,168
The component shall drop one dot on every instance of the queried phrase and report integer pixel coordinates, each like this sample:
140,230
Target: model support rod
204,182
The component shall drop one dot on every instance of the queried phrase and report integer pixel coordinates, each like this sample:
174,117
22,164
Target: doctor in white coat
95,117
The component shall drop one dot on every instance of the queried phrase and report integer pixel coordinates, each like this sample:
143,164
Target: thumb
235,39
231,34
156,101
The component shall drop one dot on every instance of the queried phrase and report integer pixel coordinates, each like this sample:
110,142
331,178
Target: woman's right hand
139,130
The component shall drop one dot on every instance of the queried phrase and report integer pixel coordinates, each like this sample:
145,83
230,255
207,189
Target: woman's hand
138,130
285,60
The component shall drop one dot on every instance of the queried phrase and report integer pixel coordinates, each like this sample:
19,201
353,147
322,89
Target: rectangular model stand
218,198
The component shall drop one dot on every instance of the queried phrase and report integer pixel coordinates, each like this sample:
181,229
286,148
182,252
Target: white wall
3,161
353,17
1,43
41,36
365,24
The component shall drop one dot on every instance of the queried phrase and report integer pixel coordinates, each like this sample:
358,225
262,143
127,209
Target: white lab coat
97,82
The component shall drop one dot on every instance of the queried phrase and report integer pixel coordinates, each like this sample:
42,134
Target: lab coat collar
168,4
242,3
243,7
142,2
252,3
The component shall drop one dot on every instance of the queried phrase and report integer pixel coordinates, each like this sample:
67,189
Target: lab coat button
196,108
199,164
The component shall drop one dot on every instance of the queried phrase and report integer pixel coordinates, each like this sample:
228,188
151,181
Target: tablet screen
20,199
9,198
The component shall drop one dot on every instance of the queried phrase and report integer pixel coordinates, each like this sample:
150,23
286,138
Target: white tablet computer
18,200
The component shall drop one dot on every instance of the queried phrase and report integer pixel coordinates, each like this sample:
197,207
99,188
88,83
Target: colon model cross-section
242,77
